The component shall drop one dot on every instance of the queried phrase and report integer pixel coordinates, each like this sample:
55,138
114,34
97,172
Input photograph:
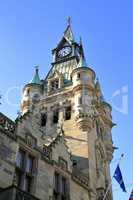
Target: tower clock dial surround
65,51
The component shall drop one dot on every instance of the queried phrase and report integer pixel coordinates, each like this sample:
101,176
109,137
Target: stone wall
8,149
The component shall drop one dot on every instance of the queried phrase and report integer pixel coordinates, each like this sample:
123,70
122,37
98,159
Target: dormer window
54,85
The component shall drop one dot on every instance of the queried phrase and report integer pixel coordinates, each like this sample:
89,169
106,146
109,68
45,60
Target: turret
83,87
31,93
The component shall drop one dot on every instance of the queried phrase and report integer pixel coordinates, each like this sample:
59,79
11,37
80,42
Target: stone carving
100,158
47,152
6,124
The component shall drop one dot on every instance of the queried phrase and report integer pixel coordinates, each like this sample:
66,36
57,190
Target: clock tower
70,100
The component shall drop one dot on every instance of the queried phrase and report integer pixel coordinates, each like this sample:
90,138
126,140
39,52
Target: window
27,183
57,183
20,159
43,119
55,116
18,178
78,75
24,170
28,91
74,163
64,186
68,113
60,187
54,85
29,164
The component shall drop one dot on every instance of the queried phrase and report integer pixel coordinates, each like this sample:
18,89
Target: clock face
65,51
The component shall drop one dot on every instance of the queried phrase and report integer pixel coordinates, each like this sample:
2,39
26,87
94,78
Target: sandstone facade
60,147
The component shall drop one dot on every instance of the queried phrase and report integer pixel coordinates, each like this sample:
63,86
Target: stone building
60,147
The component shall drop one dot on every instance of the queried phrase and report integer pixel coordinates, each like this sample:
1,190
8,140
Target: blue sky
30,29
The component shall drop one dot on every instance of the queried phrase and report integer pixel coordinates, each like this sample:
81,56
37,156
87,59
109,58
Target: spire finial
36,78
37,67
97,79
68,34
98,84
80,40
69,21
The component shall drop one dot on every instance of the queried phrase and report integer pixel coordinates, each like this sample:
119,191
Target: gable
60,151
64,42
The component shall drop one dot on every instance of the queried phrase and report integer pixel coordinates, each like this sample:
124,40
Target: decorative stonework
81,179
47,152
6,124
84,122
30,140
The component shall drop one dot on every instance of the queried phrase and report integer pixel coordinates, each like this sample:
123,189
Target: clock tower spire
68,34
66,55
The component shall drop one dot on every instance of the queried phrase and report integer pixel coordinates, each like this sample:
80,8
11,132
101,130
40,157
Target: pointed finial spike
36,67
80,40
82,62
36,78
68,34
69,21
